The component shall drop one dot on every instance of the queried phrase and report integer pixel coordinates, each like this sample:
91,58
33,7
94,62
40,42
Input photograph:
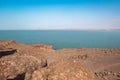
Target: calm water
65,39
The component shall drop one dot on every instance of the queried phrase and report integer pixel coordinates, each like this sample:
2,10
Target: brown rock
28,62
2,77
69,70
2,47
41,74
63,70
7,42
14,65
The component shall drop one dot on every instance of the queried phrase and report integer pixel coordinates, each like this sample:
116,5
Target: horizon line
63,29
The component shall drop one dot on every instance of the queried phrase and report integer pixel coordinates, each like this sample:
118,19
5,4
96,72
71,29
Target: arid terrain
41,62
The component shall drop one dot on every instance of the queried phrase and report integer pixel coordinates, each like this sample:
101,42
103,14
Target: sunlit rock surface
41,62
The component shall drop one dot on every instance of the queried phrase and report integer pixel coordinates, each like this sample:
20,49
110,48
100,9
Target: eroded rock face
14,65
63,70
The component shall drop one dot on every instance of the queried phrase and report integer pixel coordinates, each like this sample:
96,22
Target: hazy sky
59,14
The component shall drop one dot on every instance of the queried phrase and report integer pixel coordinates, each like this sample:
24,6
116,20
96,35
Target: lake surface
65,38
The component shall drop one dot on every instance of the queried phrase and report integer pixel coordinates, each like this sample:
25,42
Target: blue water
65,38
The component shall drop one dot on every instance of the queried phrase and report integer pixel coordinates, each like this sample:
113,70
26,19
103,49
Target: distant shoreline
67,29
62,29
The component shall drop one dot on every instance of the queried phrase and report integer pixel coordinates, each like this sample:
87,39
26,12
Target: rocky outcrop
63,70
41,62
7,42
6,49
39,74
15,65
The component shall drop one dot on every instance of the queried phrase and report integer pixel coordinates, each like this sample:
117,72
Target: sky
59,14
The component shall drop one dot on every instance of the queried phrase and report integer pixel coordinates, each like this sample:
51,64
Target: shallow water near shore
65,38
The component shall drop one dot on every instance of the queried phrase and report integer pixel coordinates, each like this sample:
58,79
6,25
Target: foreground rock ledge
12,66
63,70
41,62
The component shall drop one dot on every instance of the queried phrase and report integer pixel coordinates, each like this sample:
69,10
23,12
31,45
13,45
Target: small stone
114,74
118,75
